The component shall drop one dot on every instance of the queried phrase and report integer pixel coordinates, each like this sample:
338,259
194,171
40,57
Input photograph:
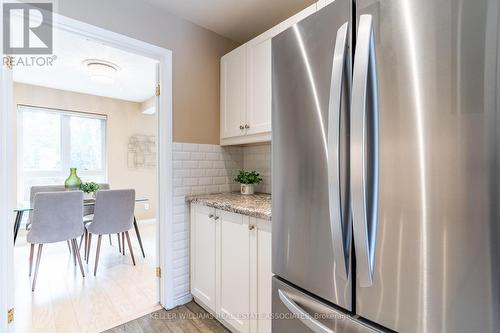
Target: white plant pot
247,189
89,196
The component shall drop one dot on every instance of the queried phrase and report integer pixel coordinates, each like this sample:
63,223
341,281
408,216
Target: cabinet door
234,269
233,93
264,276
297,17
259,90
203,255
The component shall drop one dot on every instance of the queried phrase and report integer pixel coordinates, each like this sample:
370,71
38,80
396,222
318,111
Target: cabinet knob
242,127
210,216
251,227
246,126
216,218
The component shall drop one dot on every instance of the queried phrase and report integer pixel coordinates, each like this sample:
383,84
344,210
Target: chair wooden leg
97,254
110,242
32,250
88,246
123,243
75,250
74,254
37,265
81,241
69,247
130,247
86,239
119,243
136,228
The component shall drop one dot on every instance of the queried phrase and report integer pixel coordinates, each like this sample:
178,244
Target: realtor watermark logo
28,30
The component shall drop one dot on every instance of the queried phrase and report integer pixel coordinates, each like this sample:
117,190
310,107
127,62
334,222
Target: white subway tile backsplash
205,181
205,164
197,156
258,158
181,156
202,169
190,164
189,147
213,156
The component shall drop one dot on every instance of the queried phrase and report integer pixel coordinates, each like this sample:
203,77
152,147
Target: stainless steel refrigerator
386,168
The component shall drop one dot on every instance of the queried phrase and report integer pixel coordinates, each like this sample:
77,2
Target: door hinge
8,61
10,315
157,90
158,272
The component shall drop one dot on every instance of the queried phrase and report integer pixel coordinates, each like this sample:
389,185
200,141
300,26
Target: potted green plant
89,188
248,179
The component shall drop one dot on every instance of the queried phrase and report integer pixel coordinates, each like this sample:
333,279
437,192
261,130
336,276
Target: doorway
158,230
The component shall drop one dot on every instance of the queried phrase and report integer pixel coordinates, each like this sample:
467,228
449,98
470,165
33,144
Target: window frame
65,150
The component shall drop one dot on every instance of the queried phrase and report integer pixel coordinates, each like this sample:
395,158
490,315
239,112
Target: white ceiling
239,20
135,81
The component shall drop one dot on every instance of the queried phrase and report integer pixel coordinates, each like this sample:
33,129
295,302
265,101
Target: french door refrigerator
386,168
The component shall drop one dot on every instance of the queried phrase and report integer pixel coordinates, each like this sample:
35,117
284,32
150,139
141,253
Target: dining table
26,207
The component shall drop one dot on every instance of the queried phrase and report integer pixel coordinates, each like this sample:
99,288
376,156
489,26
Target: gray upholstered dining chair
113,214
43,188
57,217
89,210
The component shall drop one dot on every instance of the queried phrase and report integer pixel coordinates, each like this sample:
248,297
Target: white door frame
164,159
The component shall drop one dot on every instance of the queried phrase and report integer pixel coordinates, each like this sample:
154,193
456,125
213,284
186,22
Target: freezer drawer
297,312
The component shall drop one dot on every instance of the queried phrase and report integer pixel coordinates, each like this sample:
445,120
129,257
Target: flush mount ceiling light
101,71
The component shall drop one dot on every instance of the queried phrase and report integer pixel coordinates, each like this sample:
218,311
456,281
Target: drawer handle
216,218
302,315
210,216
251,227
242,127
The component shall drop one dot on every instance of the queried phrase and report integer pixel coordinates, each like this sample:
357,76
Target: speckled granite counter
257,205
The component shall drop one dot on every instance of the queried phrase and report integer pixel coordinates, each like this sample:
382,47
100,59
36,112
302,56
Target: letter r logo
27,28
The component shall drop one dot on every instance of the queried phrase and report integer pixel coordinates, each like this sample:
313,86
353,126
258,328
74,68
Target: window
51,141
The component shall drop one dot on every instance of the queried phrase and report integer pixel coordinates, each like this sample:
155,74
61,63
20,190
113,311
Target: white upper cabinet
297,17
233,93
246,86
259,92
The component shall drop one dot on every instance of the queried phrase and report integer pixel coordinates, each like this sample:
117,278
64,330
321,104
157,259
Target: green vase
73,182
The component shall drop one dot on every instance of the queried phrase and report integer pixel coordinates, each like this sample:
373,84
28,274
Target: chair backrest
46,188
113,212
57,216
89,210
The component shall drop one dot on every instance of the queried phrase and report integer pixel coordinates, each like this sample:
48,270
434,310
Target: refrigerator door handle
302,315
364,151
334,121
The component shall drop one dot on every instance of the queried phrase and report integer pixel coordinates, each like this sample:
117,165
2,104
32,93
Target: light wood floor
65,302
187,318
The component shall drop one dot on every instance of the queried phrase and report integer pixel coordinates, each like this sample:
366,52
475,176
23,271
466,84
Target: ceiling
239,20
134,81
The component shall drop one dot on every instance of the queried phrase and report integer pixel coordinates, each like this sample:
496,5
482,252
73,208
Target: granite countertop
256,205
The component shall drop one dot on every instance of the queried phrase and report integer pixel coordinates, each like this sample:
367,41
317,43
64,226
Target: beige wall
196,56
124,120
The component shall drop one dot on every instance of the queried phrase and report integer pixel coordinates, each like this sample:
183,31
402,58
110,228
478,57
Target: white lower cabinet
233,268
238,249
203,256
